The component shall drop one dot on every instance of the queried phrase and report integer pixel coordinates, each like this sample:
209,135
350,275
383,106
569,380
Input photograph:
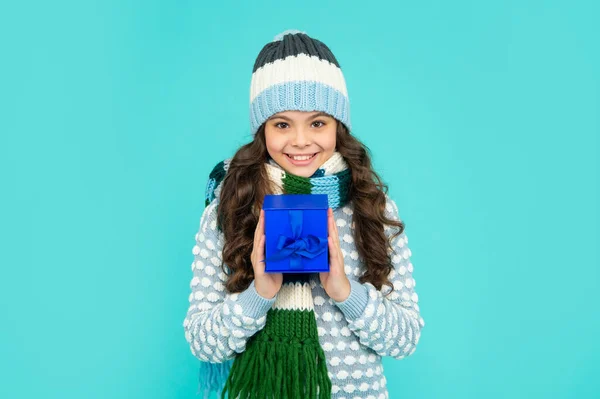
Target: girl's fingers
262,221
260,254
260,230
261,247
335,258
335,251
334,232
258,251
257,230
330,223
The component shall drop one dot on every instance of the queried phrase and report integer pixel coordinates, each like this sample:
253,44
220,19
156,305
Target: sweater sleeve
390,325
218,324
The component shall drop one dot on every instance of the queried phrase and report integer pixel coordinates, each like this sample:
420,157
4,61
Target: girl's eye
283,125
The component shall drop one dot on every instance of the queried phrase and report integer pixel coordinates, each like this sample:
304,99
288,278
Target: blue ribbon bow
295,247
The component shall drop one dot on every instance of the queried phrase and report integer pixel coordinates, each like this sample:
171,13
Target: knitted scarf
284,359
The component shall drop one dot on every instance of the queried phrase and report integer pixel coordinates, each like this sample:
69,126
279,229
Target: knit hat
297,72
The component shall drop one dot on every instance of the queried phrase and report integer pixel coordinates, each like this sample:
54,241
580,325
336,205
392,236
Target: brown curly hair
246,183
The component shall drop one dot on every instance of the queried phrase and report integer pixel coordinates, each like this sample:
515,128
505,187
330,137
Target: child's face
300,133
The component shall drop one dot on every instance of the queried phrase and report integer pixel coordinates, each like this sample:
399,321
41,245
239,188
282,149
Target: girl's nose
301,139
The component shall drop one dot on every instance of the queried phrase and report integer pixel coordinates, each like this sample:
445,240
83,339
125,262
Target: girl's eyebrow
320,114
280,117
309,118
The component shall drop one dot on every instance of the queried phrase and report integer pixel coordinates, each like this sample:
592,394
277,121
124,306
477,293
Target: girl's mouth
301,160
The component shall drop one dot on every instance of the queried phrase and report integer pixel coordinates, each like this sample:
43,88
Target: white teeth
302,158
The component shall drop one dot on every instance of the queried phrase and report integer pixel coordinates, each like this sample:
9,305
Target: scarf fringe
277,367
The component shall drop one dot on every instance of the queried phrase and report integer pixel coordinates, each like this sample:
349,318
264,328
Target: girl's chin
302,172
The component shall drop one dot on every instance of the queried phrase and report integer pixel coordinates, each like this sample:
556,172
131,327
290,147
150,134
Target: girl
300,335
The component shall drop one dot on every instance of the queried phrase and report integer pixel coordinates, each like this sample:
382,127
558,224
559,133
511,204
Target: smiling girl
314,136
300,335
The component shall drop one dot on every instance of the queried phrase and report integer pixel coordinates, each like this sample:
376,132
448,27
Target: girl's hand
335,282
267,284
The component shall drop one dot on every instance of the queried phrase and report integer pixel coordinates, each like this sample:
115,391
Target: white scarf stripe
294,296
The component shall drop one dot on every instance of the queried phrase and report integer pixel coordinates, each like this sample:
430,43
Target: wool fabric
331,178
353,334
297,72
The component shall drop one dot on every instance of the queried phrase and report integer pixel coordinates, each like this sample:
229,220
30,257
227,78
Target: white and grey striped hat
299,73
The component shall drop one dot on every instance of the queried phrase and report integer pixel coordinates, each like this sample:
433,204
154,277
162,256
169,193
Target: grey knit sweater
354,334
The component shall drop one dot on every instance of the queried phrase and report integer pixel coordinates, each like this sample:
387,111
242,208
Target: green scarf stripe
337,186
345,178
281,360
293,184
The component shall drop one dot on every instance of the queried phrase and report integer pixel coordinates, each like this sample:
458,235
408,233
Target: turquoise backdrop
482,116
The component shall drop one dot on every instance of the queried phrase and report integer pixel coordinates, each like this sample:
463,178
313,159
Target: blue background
481,116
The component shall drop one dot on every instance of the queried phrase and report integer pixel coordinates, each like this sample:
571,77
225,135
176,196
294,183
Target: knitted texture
297,72
332,178
285,358
278,334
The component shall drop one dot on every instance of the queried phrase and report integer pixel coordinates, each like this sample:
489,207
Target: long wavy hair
246,183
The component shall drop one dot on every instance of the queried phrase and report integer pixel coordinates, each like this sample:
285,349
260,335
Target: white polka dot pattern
390,325
218,325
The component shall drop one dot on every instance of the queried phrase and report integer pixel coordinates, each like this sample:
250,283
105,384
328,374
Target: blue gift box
296,233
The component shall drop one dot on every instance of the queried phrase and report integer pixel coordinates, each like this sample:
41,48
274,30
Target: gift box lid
295,201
